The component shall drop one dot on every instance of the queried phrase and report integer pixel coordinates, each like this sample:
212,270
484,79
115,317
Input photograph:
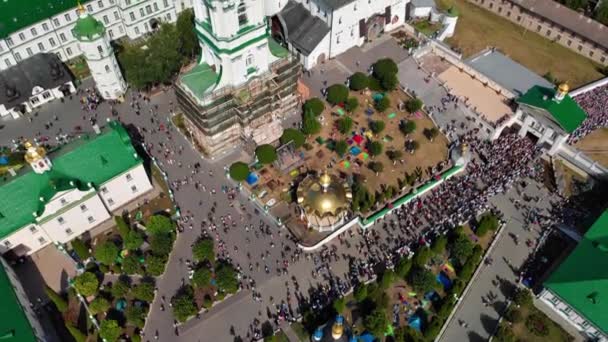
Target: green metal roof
86,27
567,113
18,14
200,79
91,160
14,325
582,279
276,49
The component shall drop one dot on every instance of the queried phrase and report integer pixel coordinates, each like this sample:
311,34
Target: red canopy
358,139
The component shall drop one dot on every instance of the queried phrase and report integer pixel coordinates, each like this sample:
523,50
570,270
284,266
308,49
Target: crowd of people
595,104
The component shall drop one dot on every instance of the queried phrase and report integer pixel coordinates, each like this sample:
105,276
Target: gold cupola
37,158
561,92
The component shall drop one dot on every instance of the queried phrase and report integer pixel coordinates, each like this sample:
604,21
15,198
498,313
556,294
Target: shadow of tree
488,323
475,337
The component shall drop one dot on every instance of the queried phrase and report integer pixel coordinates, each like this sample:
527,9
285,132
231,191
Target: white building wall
31,237
311,60
119,190
420,12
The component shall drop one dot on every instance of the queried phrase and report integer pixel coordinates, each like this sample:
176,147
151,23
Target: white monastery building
67,192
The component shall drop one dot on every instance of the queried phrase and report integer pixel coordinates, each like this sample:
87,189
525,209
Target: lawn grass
556,333
478,29
299,329
426,27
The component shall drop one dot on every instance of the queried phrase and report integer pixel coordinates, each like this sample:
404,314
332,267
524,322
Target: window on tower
242,12
107,68
100,49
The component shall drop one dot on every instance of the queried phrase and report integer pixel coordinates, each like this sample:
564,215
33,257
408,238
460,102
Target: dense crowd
595,103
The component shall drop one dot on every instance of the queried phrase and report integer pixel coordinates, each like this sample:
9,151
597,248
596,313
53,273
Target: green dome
87,27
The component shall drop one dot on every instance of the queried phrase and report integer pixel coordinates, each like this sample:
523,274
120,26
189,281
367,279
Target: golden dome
564,87
325,180
324,196
33,153
337,330
80,9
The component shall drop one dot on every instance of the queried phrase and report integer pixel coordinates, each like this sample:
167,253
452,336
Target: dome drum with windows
324,201
87,27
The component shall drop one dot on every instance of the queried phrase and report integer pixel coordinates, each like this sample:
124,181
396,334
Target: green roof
18,14
276,49
567,113
200,79
93,159
14,325
582,279
87,27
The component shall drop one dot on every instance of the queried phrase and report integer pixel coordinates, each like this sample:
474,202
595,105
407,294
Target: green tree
377,126
155,265
385,68
601,14
339,305
160,224
505,333
337,93
422,280
412,146
358,81
360,292
109,330
143,291
407,334
266,154
239,171
413,105
394,155
291,134
407,127
433,328
226,278
203,250
345,124
185,28
388,277
376,322
382,104
120,288
431,133
351,104
523,297
422,256
377,167
161,244
403,267
341,147
134,240
514,315
136,315
106,253
487,223
131,264
99,305
80,249
76,333
389,83
310,124
439,245
122,227
461,248
314,105
60,303
184,305
86,284
375,148
201,277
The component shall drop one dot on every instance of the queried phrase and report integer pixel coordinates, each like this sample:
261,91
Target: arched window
242,12
107,68
250,60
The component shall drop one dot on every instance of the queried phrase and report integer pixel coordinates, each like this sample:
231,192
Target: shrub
514,315
136,316
291,134
76,333
203,250
461,248
109,330
131,265
377,167
431,133
394,155
351,104
184,305
226,278
412,146
86,284
201,277
387,279
358,81
207,302
523,297
161,244
314,106
505,333
266,154
377,126
341,147
407,127
99,305
382,104
60,303
538,324
375,148
339,305
239,171
337,93
413,105
433,328
134,240
403,267
120,288
143,291
422,280
438,246
310,124
160,224
422,256
106,253
376,322
81,249
345,124
122,226
360,292
155,265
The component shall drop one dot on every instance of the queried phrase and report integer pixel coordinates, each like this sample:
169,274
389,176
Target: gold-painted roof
80,8
337,330
324,195
33,153
325,179
564,88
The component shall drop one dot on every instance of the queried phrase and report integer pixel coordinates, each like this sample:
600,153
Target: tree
408,334
431,133
382,104
375,148
337,93
86,284
538,324
122,226
412,146
99,305
203,250
403,267
339,305
266,154
160,224
407,127
136,315
120,288
360,292
487,223
134,240
155,265
314,105
310,124
358,81
109,330
291,134
341,147
377,126
184,305
185,28
80,249
422,256
161,244
394,155
389,83
523,297
106,253
505,333
76,333
131,264
433,328
60,303
345,124
413,105
514,315
461,248
201,277
377,167
422,280
439,245
388,277
239,171
384,68
143,291
376,322
601,14
226,278
351,104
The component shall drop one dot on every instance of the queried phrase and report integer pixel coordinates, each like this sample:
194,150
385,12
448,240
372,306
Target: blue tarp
432,296
3,160
367,337
415,322
355,151
444,280
252,178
